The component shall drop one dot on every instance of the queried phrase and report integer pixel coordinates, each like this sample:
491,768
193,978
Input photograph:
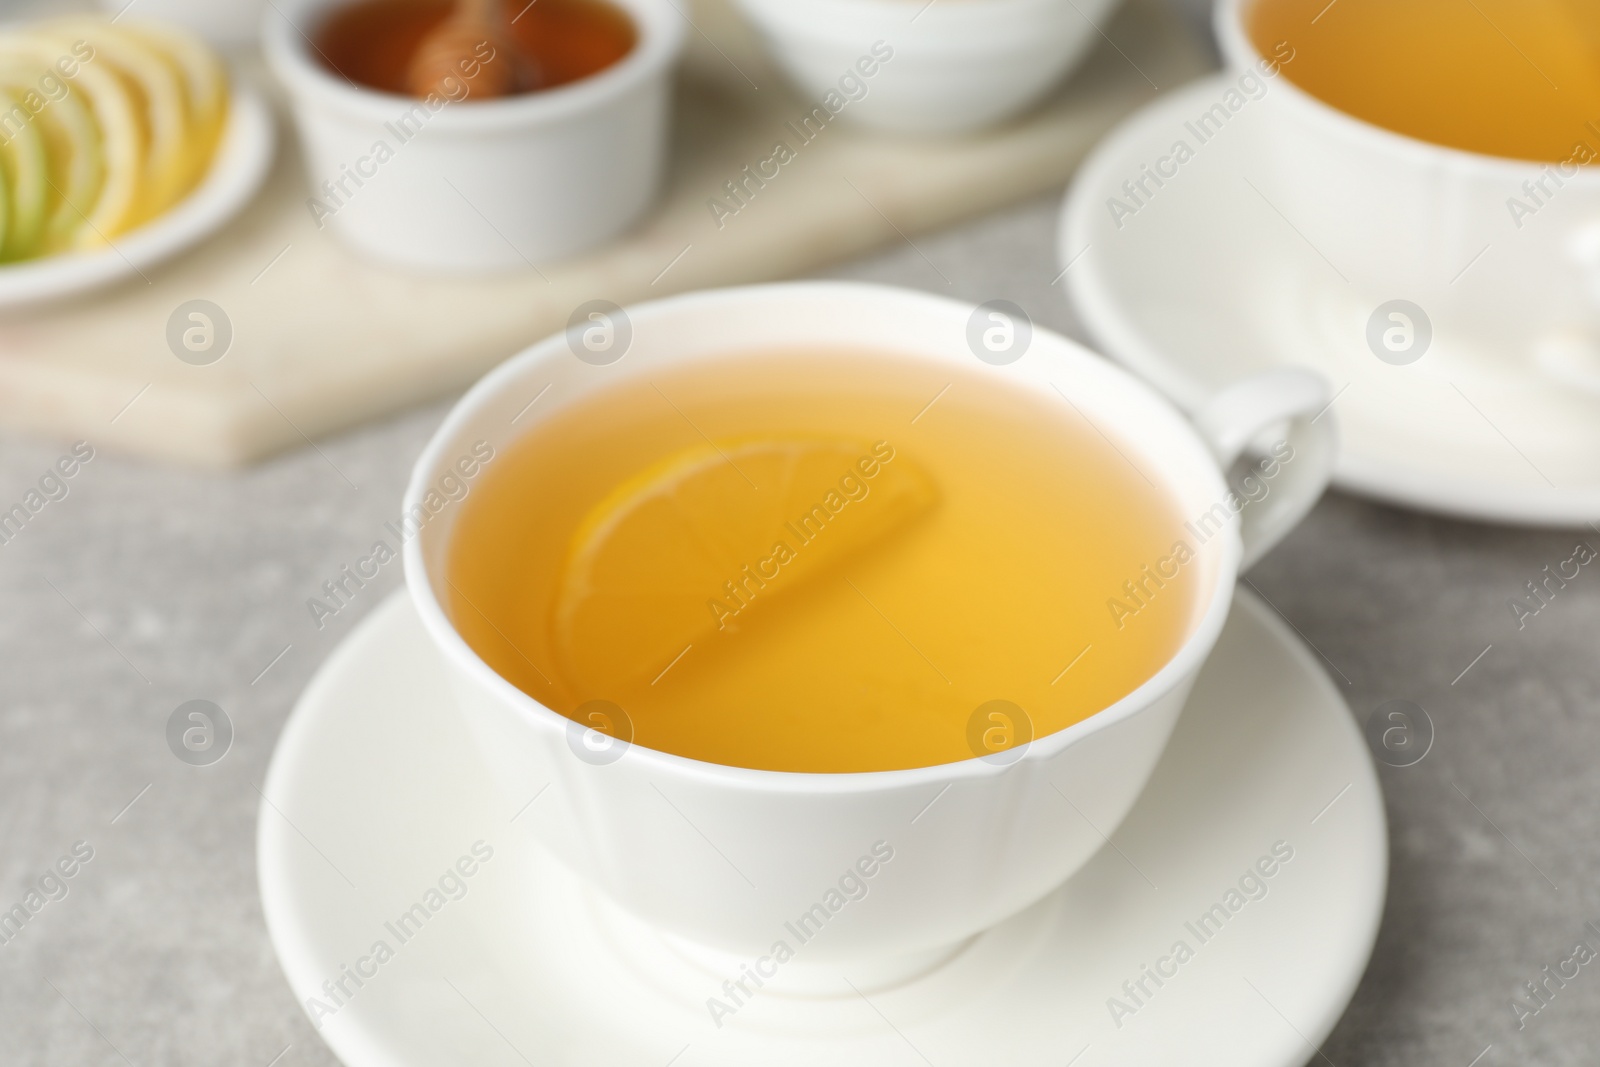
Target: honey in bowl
554,42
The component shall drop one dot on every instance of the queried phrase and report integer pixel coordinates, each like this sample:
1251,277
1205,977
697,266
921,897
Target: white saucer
242,159
375,791
1207,282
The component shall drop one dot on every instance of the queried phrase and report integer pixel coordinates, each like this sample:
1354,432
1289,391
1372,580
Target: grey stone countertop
148,586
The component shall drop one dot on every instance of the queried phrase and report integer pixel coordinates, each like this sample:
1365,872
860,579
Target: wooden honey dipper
456,46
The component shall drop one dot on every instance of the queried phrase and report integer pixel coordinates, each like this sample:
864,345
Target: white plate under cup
524,963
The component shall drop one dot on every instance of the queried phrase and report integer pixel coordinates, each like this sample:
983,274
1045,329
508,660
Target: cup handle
1240,415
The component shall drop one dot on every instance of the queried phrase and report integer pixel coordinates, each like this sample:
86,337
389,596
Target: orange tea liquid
1512,78
796,562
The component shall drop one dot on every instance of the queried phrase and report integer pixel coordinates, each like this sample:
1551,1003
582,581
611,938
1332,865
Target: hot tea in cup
822,560
1518,79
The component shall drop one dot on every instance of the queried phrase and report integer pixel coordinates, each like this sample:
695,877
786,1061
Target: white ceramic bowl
475,186
955,65
724,856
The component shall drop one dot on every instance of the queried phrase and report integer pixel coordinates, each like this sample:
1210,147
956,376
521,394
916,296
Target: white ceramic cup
1406,219
723,857
479,185
953,66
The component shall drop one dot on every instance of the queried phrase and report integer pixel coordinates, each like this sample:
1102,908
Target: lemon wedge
121,138
695,545
154,81
23,156
204,76
72,154
102,128
116,204
202,80
5,206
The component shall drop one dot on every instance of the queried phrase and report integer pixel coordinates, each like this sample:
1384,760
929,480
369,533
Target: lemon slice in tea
693,546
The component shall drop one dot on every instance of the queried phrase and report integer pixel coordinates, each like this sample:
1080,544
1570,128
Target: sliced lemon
72,153
5,206
700,541
120,133
204,81
23,154
133,133
204,76
163,109
77,166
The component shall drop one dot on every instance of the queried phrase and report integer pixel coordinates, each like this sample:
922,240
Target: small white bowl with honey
545,137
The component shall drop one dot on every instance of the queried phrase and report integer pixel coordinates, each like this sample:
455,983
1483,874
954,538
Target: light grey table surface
148,586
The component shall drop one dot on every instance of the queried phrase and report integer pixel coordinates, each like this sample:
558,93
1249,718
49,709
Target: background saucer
374,792
1206,282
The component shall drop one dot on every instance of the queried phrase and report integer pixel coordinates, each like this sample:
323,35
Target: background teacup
479,185
724,856
1406,219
